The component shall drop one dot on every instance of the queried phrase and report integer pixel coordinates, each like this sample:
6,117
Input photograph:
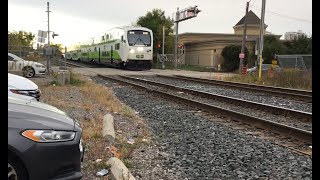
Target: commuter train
125,47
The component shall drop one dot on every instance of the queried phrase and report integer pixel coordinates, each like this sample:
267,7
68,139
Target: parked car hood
20,83
21,96
46,116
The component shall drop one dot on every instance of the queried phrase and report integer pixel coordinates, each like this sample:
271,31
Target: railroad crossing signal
53,35
187,13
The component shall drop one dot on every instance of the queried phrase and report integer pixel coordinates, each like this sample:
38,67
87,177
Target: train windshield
138,37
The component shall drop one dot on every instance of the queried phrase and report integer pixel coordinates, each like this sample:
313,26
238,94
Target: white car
22,86
18,96
264,68
29,68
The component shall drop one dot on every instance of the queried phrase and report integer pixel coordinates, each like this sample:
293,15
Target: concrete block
108,128
118,171
63,77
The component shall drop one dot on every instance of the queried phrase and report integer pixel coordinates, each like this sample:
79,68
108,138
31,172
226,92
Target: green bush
231,57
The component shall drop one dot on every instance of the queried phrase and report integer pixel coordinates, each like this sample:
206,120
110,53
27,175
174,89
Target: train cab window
117,46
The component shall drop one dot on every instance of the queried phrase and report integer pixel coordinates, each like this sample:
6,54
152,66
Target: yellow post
260,66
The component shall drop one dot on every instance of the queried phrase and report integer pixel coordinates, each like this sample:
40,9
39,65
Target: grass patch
95,100
100,165
128,163
99,94
92,129
55,83
75,79
289,78
128,112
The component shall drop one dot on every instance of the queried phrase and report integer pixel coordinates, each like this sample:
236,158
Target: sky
79,20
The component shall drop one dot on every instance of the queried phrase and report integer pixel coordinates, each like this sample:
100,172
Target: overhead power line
285,16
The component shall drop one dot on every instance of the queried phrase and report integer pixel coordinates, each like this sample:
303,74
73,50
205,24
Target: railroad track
278,128
304,116
296,94
68,64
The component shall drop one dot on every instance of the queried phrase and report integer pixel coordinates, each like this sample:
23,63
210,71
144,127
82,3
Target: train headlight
131,50
140,49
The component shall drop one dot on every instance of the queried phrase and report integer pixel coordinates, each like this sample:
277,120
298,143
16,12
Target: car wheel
16,171
28,72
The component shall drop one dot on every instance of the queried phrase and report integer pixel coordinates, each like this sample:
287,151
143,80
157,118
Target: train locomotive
125,47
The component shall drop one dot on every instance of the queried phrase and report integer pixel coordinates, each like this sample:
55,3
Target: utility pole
261,36
48,61
163,34
176,41
243,38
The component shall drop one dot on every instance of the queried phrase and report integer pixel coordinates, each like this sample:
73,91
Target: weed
128,163
127,111
288,78
75,80
55,83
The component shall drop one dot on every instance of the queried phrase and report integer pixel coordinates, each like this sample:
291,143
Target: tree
20,38
272,46
154,20
59,49
231,57
301,45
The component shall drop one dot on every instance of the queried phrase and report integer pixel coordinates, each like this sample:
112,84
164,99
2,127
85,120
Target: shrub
231,57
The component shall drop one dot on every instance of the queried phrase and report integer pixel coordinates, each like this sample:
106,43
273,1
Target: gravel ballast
287,120
192,147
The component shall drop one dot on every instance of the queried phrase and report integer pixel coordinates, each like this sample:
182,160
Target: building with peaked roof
204,49
253,25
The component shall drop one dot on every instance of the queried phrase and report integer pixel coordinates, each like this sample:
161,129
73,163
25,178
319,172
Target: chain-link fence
295,61
31,54
168,60
27,53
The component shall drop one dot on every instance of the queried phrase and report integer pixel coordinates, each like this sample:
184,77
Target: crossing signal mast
183,15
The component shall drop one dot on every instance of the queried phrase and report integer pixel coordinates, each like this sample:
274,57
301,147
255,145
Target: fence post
65,57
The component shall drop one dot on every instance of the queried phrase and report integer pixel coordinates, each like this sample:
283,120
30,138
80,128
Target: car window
10,58
16,57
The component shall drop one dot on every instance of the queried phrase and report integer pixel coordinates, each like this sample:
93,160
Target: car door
14,64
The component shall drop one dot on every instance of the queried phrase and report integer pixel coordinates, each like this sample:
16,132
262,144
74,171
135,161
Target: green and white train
124,47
